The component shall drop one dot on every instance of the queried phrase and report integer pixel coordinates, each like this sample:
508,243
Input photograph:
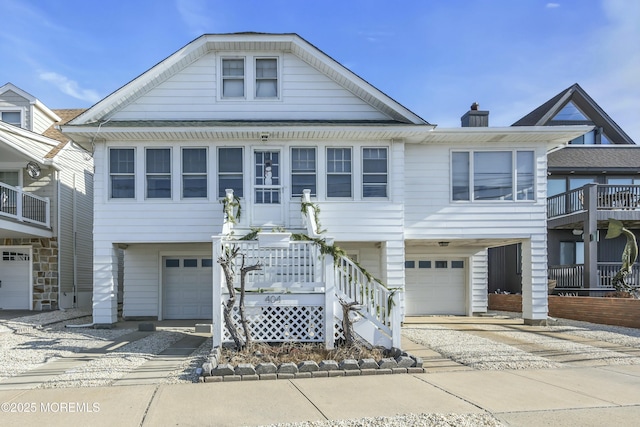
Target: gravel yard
31,341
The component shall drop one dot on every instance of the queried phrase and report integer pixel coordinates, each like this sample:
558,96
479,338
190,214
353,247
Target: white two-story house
46,208
269,116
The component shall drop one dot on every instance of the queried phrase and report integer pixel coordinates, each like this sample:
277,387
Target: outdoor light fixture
443,244
576,232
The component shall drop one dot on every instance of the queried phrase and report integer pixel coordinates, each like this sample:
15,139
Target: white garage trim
436,284
181,256
17,274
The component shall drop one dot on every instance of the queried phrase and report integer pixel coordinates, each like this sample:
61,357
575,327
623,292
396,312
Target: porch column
105,284
329,275
217,324
590,236
534,280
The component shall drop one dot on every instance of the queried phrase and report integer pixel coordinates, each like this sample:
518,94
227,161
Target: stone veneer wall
45,271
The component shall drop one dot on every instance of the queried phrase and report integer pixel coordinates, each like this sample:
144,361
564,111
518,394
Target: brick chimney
475,118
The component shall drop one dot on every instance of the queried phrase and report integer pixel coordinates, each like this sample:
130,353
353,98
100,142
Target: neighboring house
593,179
46,210
268,116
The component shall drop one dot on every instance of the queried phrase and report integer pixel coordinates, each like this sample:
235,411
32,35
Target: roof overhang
259,131
553,136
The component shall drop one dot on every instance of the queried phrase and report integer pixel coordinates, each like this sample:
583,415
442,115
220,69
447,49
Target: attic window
266,77
570,113
233,78
11,117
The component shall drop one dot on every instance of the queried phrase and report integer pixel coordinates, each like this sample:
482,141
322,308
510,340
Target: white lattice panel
279,323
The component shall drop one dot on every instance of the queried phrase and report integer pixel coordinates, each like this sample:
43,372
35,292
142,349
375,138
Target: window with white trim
339,172
230,171
158,173
266,78
374,172
11,117
122,179
233,77
194,172
303,170
493,175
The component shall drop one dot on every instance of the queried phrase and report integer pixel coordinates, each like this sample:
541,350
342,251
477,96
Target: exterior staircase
296,294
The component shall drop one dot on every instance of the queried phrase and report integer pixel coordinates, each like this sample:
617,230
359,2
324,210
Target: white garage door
435,286
15,264
187,288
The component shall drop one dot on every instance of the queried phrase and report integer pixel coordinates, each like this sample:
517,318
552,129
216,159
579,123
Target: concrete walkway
558,397
569,396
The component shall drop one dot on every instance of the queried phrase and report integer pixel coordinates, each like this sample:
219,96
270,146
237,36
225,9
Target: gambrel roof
545,115
257,42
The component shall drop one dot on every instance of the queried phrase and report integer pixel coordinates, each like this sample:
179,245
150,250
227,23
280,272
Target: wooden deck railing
22,206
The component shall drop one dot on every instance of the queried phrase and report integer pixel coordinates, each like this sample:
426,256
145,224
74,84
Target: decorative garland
316,210
228,206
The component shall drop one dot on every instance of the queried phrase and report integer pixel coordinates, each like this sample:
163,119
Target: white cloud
70,87
552,5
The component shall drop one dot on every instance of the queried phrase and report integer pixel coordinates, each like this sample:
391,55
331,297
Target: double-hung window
158,162
492,175
194,172
232,77
230,171
122,173
374,172
339,172
266,77
303,170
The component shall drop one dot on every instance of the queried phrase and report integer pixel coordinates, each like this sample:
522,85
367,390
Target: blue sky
435,57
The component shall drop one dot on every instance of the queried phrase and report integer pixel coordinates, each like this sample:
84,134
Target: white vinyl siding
305,94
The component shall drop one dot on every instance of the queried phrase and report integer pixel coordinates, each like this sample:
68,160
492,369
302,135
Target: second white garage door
187,288
435,286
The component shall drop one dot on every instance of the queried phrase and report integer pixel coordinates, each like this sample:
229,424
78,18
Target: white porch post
393,265
534,280
216,283
329,298
105,283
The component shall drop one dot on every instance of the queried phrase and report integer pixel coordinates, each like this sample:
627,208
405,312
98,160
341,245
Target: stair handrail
376,300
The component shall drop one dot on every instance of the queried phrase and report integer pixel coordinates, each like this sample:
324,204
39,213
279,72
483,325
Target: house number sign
272,299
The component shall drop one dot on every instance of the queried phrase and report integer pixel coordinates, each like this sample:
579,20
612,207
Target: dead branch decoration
227,262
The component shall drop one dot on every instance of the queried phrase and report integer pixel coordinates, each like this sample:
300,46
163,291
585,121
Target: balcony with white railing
24,207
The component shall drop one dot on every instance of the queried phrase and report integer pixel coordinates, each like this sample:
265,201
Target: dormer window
11,117
232,78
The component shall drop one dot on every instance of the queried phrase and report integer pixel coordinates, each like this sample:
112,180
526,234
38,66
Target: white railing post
396,319
47,212
19,203
309,215
216,283
228,220
329,299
